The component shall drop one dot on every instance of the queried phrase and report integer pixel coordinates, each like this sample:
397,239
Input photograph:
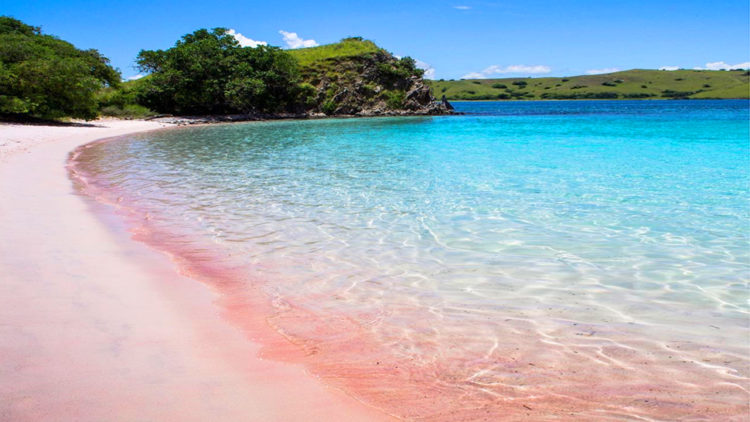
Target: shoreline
96,326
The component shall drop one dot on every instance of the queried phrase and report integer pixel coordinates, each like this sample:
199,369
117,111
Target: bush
580,95
609,84
520,83
499,86
476,82
395,99
668,93
328,107
129,111
401,69
307,95
638,95
42,76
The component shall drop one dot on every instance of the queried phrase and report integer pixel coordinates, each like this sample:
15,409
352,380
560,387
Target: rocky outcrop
374,84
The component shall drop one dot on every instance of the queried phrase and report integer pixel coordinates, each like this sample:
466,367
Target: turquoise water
583,256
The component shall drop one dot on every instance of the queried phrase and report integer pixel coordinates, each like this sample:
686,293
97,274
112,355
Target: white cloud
462,7
138,76
429,71
293,40
723,65
245,41
516,68
600,71
669,68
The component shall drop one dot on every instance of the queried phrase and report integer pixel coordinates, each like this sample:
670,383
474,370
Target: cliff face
369,84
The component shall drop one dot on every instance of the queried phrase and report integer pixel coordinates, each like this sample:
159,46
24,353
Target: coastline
96,326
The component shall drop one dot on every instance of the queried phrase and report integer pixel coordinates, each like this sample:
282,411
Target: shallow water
582,260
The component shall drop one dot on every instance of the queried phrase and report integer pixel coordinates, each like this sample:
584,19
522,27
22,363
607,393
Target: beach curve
95,326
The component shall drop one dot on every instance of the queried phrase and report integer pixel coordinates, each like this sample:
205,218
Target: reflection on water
582,259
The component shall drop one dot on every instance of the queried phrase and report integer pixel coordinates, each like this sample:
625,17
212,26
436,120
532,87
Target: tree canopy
208,72
43,76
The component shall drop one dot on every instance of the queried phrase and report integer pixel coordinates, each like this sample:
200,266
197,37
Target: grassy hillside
629,84
356,77
348,47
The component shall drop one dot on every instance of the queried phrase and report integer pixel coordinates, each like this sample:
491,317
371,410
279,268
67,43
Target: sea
572,260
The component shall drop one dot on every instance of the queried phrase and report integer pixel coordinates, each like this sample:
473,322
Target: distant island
625,85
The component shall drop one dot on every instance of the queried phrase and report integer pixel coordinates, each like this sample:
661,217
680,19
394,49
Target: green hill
348,47
629,84
356,77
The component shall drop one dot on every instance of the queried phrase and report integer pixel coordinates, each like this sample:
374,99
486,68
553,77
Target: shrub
564,80
499,86
520,83
476,82
328,107
638,95
401,69
644,86
668,93
307,95
579,95
609,83
128,111
395,99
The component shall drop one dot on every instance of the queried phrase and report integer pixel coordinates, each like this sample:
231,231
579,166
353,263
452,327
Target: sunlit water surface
544,259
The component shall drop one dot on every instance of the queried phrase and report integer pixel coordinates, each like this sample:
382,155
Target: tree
45,77
208,72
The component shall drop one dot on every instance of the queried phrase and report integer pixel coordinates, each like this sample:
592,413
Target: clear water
559,259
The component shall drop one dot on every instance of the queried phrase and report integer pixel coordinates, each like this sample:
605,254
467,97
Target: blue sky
452,38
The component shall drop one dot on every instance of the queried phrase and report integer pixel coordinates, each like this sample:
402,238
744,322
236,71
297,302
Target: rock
446,104
366,85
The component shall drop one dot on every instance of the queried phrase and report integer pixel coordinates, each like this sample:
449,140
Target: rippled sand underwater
574,260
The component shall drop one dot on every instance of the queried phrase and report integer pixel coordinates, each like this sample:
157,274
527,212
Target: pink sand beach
95,326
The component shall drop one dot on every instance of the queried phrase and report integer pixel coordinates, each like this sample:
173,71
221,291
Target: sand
95,326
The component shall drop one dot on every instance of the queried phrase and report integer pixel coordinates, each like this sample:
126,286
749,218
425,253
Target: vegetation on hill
630,84
355,76
44,77
348,47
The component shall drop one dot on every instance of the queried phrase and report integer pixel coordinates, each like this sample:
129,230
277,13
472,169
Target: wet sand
95,326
